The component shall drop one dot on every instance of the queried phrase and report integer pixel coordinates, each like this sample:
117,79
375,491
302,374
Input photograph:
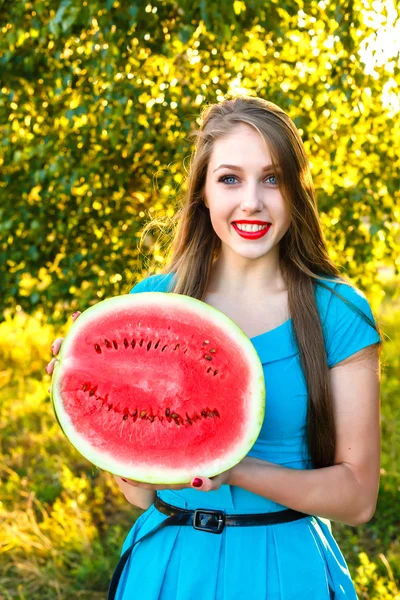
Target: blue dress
299,560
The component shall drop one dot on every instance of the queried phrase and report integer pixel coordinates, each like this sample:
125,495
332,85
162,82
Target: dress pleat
289,561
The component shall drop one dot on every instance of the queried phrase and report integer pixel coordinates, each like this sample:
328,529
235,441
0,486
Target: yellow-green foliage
372,585
62,521
98,100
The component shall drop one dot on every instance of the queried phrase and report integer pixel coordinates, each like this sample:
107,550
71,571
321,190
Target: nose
251,200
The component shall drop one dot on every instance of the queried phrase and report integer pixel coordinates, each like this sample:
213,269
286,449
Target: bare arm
346,491
135,495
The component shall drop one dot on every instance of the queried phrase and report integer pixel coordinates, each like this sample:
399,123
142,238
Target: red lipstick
252,235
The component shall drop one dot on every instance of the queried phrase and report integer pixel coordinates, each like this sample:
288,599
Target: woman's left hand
206,484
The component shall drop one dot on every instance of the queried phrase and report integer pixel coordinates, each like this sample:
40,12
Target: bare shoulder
367,358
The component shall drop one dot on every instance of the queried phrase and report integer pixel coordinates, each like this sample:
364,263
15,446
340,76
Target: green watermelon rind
147,473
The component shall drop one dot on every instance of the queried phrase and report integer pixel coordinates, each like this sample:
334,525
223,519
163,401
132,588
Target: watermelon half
159,387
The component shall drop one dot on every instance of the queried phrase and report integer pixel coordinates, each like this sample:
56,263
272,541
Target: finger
56,345
202,483
141,484
50,366
133,482
155,486
75,315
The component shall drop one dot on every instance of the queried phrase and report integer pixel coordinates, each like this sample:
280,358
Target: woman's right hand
55,348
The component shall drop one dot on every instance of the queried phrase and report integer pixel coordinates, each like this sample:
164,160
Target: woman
250,243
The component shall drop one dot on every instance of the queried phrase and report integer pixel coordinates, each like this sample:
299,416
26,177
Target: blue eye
225,179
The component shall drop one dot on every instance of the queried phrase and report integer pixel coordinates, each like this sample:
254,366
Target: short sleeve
345,330
154,283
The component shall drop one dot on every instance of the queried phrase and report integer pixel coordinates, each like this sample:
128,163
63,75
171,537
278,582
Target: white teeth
250,228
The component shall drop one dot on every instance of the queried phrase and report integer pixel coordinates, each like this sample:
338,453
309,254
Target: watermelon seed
177,346
162,349
209,369
97,348
115,344
133,343
207,357
91,393
85,387
184,352
156,346
148,346
206,342
212,350
178,420
215,372
141,343
126,343
107,343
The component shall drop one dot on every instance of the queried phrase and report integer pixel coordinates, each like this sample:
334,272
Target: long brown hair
303,251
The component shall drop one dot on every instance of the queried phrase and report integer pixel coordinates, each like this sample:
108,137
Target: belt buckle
212,521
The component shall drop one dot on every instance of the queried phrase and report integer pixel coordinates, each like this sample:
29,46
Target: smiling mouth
251,231
251,227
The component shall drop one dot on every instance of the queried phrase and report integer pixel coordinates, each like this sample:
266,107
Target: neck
237,275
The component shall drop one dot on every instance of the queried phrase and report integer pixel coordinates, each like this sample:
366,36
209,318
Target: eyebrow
237,168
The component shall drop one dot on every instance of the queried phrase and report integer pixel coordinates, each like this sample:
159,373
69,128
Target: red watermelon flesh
159,387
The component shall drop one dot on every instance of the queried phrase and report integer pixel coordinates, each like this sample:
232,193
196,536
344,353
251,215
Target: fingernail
75,314
52,348
196,482
47,369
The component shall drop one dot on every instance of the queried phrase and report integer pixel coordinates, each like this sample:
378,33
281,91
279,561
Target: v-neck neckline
260,335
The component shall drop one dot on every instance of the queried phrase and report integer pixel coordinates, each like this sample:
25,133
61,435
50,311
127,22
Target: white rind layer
163,474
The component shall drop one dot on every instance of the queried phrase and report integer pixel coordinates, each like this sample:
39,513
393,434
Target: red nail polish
197,482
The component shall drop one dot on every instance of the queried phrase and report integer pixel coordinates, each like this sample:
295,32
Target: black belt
214,521
203,519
